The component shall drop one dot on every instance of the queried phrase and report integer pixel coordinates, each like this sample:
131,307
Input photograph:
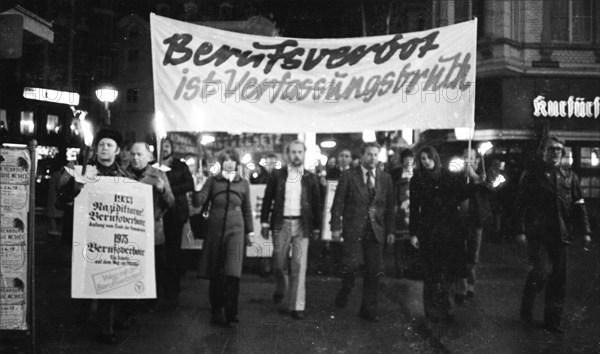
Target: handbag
199,222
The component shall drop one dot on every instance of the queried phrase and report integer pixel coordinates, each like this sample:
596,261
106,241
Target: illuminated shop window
52,124
590,157
590,186
27,124
3,120
567,158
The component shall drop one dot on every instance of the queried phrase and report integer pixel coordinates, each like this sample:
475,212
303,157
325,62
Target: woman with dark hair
435,228
230,226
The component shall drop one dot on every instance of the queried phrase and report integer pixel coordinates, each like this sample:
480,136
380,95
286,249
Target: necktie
370,185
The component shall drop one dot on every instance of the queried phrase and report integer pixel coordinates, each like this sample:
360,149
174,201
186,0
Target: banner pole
31,244
470,144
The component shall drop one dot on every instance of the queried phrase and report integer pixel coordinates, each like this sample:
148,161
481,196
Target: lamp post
107,94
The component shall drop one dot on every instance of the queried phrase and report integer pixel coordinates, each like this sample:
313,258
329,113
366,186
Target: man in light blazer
363,214
291,211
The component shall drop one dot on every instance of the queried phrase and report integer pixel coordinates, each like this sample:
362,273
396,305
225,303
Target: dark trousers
437,293
549,269
440,274
223,294
173,257
400,257
107,313
372,255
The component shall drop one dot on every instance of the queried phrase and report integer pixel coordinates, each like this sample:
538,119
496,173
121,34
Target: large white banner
212,80
113,240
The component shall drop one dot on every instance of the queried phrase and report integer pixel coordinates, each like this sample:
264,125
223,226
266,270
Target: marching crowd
441,212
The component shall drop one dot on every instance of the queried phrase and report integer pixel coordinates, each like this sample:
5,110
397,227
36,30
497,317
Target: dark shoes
277,298
217,319
460,298
448,319
368,317
341,300
107,338
526,316
554,329
231,322
126,324
297,315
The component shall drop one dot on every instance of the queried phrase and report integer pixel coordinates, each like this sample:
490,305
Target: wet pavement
487,323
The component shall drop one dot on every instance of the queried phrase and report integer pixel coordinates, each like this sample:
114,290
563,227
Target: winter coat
435,220
162,200
274,199
550,205
229,220
352,210
181,182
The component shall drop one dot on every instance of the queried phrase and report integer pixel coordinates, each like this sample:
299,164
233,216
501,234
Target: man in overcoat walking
551,209
363,214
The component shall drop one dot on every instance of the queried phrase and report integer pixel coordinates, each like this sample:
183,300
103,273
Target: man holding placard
111,233
139,166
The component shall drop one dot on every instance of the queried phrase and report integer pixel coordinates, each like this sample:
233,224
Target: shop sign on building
572,107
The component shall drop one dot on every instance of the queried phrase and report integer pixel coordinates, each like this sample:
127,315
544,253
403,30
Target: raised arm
199,198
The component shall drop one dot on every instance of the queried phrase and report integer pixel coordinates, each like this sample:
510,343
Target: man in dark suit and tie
363,214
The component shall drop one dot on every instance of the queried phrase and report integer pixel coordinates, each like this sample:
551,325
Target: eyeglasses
554,149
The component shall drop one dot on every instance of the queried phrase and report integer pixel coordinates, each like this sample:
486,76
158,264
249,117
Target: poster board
260,247
16,233
329,194
113,240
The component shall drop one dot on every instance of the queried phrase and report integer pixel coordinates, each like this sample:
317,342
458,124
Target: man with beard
291,212
550,207
181,182
162,197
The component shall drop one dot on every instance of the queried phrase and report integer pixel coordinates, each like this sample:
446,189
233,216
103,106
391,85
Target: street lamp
107,94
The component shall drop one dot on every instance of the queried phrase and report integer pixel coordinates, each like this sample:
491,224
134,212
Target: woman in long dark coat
229,228
436,228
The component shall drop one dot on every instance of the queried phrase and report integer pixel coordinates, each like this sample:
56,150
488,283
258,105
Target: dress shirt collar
292,170
365,170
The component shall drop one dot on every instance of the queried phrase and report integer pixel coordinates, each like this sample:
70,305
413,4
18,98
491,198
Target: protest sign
15,174
260,247
213,80
113,240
